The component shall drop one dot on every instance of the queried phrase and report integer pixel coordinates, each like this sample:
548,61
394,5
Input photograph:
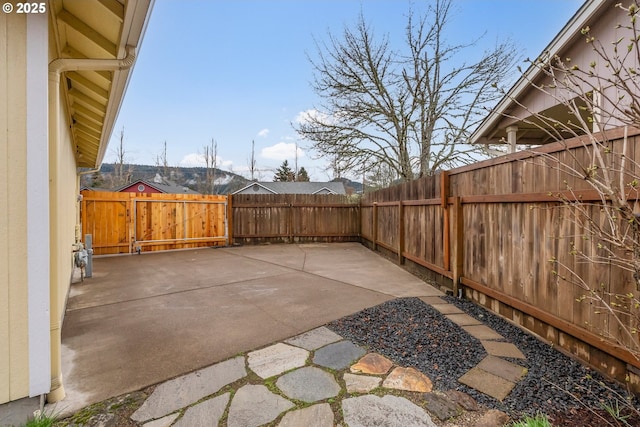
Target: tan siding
68,213
14,372
4,219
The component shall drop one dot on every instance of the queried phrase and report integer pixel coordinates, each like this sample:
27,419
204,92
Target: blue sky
237,70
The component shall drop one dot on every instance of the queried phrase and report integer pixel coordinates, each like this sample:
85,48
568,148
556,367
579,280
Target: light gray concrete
17,412
144,319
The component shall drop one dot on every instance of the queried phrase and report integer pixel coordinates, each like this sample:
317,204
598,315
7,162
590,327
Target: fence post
229,219
400,232
131,220
290,224
375,225
444,202
458,253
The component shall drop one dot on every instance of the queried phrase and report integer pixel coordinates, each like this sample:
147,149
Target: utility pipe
56,68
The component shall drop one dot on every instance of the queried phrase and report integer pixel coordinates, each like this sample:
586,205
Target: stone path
308,379
494,375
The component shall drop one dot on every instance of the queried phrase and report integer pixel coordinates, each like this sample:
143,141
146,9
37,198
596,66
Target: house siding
604,27
133,188
22,296
14,349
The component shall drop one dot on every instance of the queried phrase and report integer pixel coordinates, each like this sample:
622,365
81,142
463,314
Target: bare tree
252,161
122,171
210,154
162,163
404,110
601,96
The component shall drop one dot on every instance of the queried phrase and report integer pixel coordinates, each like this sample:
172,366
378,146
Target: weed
540,420
616,412
42,420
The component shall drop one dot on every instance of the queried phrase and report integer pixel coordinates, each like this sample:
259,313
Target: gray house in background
293,188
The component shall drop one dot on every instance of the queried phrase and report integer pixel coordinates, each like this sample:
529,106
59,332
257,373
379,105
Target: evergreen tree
97,180
303,176
284,173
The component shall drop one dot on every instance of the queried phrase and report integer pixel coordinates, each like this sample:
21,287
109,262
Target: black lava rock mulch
412,333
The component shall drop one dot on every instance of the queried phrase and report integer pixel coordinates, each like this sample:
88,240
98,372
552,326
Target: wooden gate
133,222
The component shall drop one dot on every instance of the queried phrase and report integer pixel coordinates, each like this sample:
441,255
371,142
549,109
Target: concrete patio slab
353,264
144,319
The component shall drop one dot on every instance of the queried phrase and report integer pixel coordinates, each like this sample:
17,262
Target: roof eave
134,27
560,41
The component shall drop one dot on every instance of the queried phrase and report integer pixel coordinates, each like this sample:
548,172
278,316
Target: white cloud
263,133
197,160
282,151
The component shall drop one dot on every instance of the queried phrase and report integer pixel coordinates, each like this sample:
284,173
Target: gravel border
412,333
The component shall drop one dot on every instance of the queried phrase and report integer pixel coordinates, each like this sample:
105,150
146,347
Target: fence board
271,218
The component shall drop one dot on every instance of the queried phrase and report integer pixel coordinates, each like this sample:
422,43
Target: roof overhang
95,29
492,130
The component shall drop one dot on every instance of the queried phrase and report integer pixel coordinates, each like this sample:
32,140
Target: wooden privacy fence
498,231
261,218
134,222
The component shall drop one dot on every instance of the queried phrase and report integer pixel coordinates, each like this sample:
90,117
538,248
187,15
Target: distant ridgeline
226,182
109,177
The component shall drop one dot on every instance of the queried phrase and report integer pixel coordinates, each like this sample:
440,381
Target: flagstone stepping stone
360,383
338,355
502,368
308,384
207,413
372,363
163,422
388,411
319,415
441,407
502,349
409,379
315,338
254,405
487,383
276,359
187,389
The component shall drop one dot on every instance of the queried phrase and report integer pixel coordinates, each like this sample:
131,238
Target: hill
191,177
